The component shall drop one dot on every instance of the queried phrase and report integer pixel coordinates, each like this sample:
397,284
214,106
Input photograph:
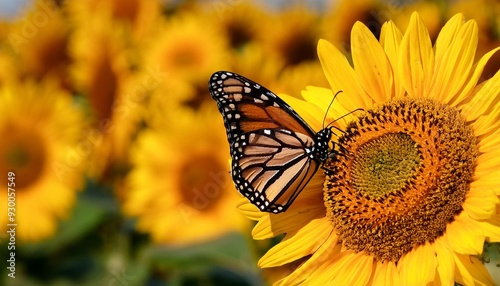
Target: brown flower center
23,153
403,177
202,182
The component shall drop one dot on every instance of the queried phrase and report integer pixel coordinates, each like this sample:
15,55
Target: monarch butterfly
274,151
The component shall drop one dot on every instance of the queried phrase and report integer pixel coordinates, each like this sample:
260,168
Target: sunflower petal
485,182
287,222
491,228
347,268
249,210
453,66
309,238
488,123
418,267
416,58
333,61
485,97
488,162
309,112
322,98
319,259
472,81
371,63
386,273
446,264
490,142
473,270
480,203
465,236
355,270
447,35
390,39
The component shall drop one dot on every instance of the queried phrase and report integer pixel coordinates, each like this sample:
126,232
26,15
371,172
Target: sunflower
136,16
187,48
40,42
242,24
104,76
179,187
413,192
43,144
343,14
294,36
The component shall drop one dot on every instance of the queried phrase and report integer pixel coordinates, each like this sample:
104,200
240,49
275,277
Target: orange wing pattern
274,152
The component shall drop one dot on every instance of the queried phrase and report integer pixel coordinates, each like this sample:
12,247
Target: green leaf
84,218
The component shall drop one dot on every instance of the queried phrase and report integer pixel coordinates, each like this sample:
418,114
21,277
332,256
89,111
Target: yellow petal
472,82
310,113
472,270
306,241
416,58
446,264
465,236
249,210
462,275
447,35
341,76
480,203
489,142
287,222
483,100
490,122
419,266
371,63
386,273
346,268
485,182
319,259
488,162
455,63
492,231
322,97
390,39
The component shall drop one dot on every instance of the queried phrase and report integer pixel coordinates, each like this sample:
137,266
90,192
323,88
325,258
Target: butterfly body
274,151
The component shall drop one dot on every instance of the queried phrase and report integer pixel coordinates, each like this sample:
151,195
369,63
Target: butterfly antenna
347,114
328,108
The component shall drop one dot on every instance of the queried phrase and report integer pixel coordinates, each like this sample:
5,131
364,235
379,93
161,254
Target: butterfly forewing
247,106
271,146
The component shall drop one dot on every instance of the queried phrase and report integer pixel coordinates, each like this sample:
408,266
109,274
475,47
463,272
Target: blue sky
9,8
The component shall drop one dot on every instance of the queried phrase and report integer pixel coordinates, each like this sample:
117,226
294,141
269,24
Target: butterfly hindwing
271,145
270,167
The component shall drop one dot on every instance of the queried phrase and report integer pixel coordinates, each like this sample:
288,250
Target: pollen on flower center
384,165
402,178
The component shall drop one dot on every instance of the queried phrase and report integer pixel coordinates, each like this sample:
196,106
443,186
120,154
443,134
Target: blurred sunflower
179,187
254,62
188,48
242,24
136,16
338,20
42,144
415,193
40,42
293,37
103,75
293,79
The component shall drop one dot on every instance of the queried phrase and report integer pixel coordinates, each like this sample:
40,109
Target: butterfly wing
270,143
